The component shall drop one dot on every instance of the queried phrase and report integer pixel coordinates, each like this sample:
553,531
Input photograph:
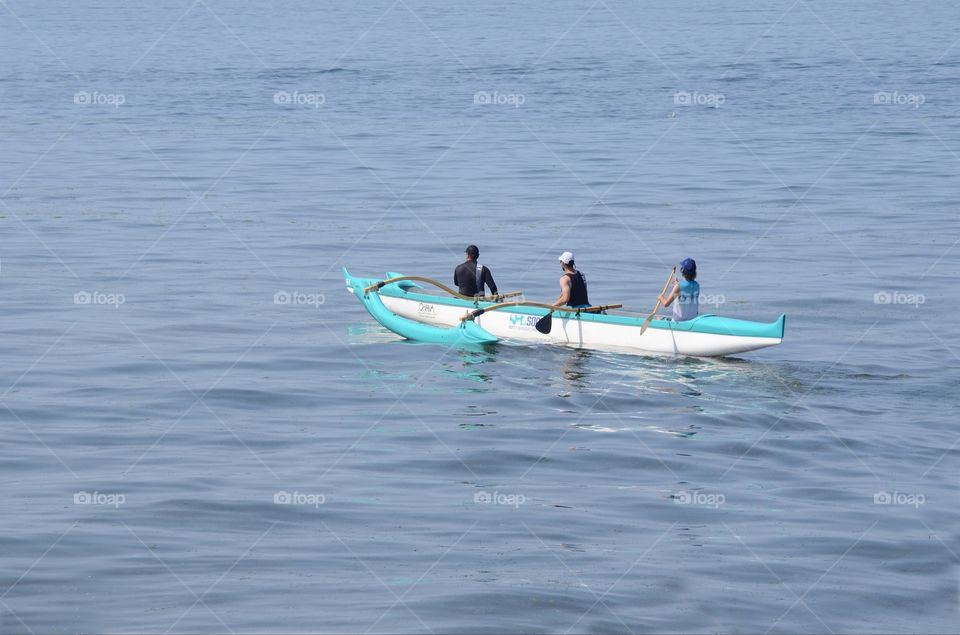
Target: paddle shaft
656,307
506,305
493,298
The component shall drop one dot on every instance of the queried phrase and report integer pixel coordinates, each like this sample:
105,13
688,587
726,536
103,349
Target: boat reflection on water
572,368
629,385
712,386
470,361
367,333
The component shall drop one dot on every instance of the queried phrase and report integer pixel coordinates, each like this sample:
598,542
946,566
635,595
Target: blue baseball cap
689,265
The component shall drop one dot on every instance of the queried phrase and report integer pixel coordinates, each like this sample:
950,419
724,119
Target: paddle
545,323
649,319
376,286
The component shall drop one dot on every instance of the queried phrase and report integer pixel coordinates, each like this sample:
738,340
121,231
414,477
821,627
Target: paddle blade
545,323
646,323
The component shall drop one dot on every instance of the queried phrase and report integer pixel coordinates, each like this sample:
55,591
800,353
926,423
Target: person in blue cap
686,293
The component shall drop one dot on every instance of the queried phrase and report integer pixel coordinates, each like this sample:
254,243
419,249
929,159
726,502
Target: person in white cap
573,286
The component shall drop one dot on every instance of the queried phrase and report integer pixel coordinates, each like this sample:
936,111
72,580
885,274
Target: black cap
472,251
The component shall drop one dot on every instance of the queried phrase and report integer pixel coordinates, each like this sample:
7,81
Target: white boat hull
581,333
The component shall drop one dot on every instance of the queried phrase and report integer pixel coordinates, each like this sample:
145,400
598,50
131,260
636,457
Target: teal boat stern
720,325
781,325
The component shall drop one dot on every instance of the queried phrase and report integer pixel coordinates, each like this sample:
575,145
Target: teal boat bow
467,332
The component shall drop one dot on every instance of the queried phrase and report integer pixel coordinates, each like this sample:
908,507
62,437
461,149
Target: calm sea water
184,451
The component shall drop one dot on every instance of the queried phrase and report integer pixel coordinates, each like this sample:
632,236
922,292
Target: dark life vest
578,289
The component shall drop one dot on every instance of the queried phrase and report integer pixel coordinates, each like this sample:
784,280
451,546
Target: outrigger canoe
407,308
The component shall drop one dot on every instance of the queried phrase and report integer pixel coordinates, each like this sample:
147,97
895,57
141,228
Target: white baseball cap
566,257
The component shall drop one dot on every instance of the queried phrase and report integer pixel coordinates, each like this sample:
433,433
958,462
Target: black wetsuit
470,284
578,289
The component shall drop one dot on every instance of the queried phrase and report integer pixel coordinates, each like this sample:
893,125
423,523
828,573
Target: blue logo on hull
522,321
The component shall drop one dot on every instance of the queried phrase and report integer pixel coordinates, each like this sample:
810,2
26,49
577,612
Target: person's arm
455,272
564,291
667,301
488,278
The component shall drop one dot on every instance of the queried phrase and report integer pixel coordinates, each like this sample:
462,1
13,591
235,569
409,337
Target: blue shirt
687,304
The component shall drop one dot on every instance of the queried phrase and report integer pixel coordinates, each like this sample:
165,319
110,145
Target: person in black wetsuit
573,286
470,276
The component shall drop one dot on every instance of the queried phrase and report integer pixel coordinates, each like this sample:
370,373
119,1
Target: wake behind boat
409,309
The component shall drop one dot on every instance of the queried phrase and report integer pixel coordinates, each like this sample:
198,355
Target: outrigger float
401,304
